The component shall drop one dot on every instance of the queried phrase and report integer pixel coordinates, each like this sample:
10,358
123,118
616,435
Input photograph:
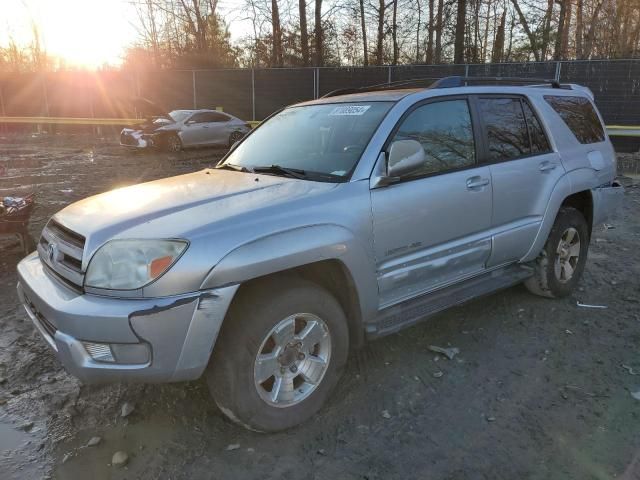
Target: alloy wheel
292,360
567,255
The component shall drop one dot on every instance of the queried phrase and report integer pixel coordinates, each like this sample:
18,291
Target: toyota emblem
51,251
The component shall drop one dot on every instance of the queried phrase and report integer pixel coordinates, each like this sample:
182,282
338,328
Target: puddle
19,453
11,438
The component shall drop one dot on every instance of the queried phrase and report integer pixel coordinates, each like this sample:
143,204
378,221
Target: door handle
547,166
477,182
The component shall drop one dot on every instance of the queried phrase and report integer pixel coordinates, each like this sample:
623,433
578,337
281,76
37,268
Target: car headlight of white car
132,264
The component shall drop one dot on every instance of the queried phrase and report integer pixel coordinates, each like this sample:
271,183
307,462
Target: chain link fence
253,94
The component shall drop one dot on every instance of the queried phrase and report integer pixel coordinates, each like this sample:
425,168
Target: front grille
126,139
61,250
48,327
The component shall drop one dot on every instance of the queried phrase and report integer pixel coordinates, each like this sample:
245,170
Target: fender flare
285,250
573,182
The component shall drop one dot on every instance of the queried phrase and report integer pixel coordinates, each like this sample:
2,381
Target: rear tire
558,268
276,336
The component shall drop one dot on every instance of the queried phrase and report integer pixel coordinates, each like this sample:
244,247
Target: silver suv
337,221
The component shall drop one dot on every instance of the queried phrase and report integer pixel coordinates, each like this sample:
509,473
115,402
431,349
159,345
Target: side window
580,116
444,129
217,117
506,128
539,142
198,118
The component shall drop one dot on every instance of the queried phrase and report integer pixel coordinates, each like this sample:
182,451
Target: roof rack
457,81
450,82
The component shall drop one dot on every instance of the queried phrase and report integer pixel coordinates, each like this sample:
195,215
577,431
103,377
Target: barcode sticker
350,110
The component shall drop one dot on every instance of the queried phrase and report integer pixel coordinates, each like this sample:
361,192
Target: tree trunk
365,49
588,43
319,35
498,45
418,27
394,32
276,49
304,34
579,29
525,25
458,56
379,46
564,52
431,28
546,30
439,26
557,55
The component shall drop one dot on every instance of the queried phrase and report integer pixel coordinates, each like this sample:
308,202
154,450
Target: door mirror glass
405,157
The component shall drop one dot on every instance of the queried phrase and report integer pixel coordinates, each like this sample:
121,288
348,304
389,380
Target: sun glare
82,33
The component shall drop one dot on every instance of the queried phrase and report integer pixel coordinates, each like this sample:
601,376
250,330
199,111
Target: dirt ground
541,389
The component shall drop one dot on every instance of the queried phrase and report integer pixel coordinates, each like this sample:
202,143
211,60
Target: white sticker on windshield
350,110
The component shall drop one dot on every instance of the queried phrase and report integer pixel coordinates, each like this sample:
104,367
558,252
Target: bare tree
304,34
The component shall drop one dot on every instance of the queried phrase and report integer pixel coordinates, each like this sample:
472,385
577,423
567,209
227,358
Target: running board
397,317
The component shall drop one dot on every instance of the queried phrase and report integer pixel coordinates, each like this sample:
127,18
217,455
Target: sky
84,33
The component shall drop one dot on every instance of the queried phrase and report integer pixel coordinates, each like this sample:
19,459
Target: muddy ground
541,388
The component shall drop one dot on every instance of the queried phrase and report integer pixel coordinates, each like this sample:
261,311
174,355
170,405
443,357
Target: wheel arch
328,255
564,194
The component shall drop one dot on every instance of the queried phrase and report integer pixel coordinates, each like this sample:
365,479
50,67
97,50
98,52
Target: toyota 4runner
337,221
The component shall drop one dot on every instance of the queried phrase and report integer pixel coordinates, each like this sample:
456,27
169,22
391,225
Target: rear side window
444,129
539,142
580,116
506,128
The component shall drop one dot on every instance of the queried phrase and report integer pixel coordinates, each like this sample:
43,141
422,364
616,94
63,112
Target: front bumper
135,139
152,340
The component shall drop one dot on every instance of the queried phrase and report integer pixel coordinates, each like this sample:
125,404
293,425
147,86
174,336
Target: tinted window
539,142
506,128
445,132
208,117
580,116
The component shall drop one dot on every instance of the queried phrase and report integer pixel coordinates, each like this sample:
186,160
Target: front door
431,228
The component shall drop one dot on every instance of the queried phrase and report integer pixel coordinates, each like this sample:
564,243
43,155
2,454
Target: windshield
327,139
179,115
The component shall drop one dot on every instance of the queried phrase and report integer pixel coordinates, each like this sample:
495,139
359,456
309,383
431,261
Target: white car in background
180,129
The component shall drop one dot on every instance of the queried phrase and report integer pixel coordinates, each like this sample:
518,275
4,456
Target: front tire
558,268
235,137
172,143
281,352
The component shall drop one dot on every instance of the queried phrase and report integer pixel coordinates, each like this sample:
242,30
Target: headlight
131,264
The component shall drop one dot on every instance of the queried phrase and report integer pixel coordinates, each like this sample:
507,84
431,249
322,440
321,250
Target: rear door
524,171
219,128
432,227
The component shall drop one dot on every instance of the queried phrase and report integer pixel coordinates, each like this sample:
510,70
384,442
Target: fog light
100,352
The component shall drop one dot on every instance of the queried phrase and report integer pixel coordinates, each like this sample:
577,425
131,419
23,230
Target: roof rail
450,82
458,81
380,86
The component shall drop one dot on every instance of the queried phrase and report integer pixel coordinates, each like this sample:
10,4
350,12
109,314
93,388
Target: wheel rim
174,143
292,360
567,255
235,136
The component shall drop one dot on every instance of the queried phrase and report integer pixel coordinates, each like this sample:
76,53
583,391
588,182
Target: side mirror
189,122
405,156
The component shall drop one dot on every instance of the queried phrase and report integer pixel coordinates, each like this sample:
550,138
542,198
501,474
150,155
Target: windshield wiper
231,166
282,171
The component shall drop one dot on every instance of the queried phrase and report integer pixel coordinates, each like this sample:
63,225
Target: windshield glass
328,138
179,115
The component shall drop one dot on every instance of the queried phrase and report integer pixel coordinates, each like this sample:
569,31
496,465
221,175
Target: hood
176,207
149,109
